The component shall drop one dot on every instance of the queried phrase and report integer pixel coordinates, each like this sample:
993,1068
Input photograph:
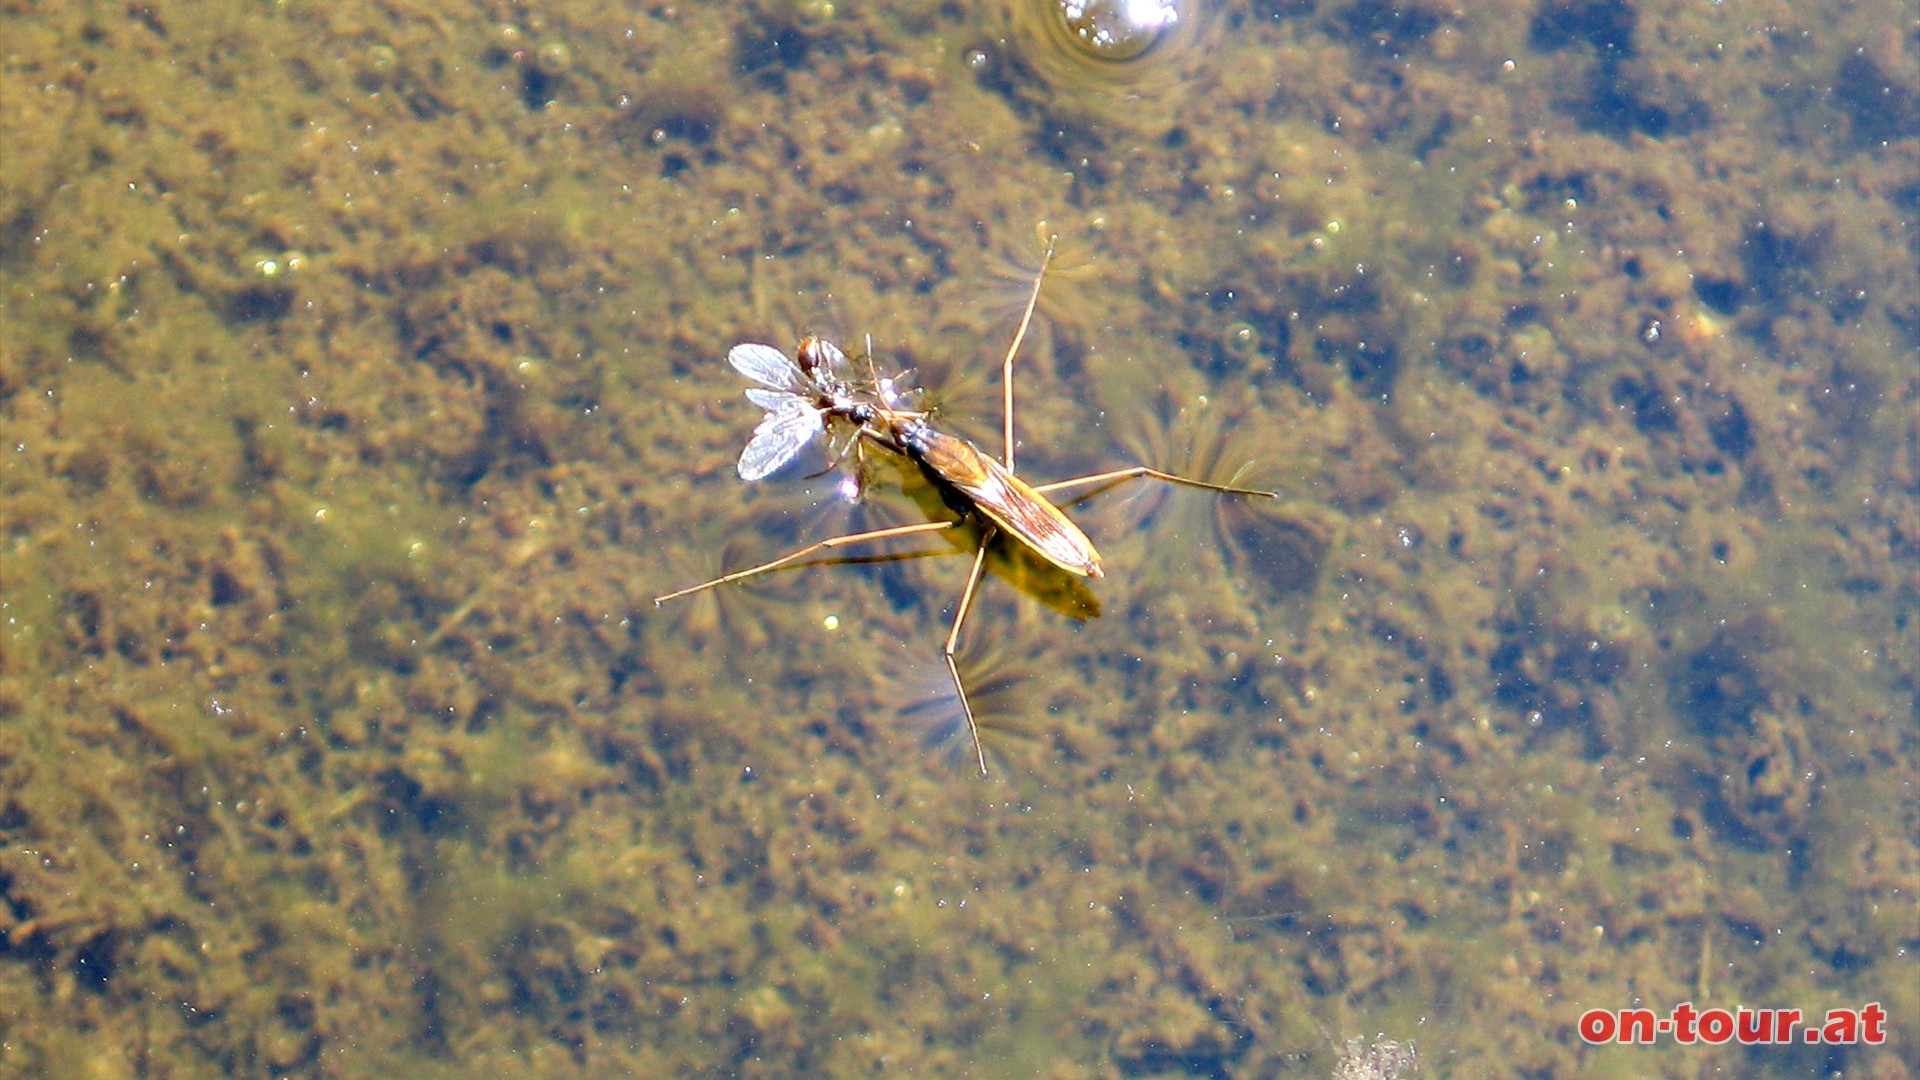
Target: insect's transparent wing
772,400
767,365
898,392
833,359
781,434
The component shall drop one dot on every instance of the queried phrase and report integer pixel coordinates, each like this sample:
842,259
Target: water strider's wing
768,366
771,400
781,434
1005,499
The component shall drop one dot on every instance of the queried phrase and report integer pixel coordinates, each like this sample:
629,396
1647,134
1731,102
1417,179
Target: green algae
361,384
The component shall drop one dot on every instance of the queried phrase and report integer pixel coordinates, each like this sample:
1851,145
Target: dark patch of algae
360,382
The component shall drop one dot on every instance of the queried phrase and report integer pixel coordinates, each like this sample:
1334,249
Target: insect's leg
1137,471
824,545
1006,366
873,374
953,642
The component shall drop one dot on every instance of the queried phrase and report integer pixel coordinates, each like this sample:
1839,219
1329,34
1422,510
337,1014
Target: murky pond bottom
362,381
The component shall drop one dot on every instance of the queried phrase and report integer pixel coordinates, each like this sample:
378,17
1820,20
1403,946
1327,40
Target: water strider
804,394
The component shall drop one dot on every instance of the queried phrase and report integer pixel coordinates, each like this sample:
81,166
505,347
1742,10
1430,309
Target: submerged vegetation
361,379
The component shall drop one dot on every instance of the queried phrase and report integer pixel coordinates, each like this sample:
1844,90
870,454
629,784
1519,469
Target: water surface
361,382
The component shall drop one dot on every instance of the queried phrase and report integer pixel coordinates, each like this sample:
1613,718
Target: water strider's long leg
824,545
953,642
1118,475
1006,366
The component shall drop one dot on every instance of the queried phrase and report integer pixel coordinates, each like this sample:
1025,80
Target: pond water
362,382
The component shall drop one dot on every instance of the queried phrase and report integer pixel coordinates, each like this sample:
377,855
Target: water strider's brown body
991,488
